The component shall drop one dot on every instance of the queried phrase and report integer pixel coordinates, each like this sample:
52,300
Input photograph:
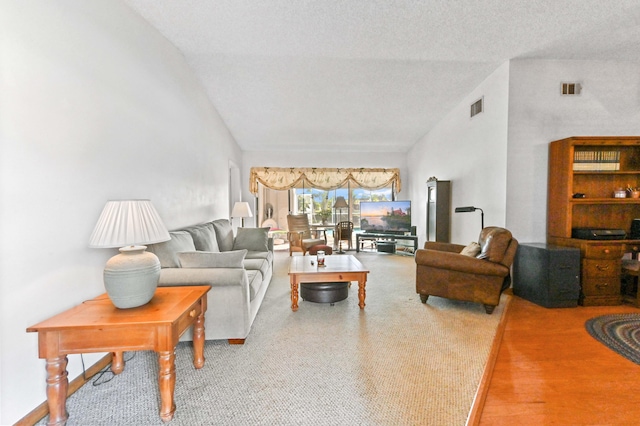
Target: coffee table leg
117,362
198,342
57,388
167,384
294,293
362,292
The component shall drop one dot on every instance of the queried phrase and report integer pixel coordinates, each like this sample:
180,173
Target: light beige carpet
397,362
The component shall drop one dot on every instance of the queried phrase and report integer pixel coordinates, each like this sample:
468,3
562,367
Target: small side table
98,326
547,275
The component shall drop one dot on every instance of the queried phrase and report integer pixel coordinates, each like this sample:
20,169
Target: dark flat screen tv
385,216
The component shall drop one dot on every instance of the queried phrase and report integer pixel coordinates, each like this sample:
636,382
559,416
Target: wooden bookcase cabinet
600,259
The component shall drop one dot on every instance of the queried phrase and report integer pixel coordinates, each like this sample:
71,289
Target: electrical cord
100,374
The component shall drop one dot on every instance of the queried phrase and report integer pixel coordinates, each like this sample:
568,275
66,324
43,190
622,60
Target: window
318,204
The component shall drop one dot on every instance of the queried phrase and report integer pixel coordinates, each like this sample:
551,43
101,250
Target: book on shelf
597,161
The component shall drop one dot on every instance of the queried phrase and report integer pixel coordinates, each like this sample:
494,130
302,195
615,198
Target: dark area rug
619,332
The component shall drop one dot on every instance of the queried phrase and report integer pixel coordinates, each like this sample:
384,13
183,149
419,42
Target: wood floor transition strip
483,388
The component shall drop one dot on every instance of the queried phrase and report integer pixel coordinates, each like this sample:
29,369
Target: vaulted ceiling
371,75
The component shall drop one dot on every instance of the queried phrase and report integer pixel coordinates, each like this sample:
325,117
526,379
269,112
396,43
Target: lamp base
131,277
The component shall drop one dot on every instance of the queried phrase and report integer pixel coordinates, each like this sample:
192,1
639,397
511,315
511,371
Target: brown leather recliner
443,271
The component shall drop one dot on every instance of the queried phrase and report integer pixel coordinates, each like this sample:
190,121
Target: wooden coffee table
305,269
98,326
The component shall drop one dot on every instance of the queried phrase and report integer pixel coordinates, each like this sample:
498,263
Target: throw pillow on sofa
207,259
224,234
204,237
252,239
167,251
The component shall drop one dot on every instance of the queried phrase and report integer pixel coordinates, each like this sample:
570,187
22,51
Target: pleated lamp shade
131,277
126,223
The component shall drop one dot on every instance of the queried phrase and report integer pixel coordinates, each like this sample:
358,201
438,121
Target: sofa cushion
224,234
167,251
255,281
267,255
261,265
254,239
207,259
204,237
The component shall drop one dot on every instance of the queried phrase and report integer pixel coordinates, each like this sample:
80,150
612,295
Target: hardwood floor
549,370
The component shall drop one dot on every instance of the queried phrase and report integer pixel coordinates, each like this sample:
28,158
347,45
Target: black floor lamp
470,209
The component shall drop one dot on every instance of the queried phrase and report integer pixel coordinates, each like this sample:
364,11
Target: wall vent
570,88
477,107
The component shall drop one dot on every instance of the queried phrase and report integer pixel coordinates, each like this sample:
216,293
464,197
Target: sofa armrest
458,262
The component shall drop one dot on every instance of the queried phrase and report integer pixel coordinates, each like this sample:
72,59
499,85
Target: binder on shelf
596,161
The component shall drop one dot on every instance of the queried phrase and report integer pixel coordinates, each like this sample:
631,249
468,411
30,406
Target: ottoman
323,292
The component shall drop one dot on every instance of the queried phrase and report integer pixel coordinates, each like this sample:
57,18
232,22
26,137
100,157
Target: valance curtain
281,178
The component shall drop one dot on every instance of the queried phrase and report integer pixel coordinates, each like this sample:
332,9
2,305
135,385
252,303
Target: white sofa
238,269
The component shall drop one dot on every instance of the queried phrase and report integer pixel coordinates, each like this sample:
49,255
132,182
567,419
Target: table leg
117,362
167,384
57,388
294,293
198,342
362,282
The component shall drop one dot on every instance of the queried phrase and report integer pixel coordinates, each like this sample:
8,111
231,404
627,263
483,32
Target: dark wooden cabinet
439,210
547,275
586,175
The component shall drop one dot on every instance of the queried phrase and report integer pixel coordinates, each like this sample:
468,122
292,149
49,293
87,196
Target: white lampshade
126,223
241,209
131,277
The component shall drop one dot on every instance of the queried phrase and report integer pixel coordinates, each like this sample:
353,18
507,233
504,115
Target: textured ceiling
371,75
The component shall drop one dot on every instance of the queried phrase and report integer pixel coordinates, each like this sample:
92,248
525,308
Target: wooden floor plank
549,370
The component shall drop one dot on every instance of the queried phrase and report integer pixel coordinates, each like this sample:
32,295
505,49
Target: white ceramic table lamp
131,277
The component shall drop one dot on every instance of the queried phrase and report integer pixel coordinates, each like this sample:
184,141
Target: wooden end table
305,269
98,326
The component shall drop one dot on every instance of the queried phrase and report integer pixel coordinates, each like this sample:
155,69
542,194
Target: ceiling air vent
477,107
570,88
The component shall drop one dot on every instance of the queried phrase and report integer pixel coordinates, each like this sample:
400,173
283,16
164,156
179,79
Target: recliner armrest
448,247
458,262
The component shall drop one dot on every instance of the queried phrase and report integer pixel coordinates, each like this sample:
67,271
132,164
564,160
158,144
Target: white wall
608,105
472,154
94,105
